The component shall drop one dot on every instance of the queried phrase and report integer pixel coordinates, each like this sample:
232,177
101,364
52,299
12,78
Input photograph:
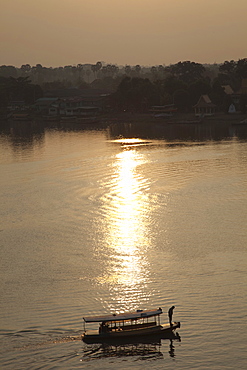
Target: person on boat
170,313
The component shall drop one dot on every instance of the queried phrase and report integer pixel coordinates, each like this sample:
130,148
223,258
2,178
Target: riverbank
146,118
177,118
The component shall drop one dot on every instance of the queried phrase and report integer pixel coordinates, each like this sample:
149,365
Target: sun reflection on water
126,236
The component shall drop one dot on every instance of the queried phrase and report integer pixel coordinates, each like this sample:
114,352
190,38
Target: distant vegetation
134,88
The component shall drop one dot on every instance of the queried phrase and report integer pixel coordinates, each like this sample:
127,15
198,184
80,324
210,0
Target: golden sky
146,32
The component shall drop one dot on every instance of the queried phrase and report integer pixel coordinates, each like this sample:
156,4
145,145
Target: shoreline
147,118
176,119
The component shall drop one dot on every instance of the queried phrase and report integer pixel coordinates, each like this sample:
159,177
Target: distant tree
74,70
243,103
39,67
18,86
32,93
127,70
25,68
110,70
38,71
228,67
88,73
94,69
67,71
107,83
218,93
8,71
98,67
80,71
181,100
138,69
171,84
19,89
161,70
198,88
4,92
136,94
154,72
226,103
53,85
104,71
241,68
232,73
187,71
115,69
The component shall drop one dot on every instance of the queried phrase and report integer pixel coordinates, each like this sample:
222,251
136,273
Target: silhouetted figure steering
170,313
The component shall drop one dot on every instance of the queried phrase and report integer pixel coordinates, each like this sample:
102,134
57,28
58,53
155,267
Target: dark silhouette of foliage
108,83
135,94
8,71
21,89
232,73
243,103
167,89
226,103
218,94
187,72
127,69
181,100
228,67
182,83
241,68
26,68
98,66
198,88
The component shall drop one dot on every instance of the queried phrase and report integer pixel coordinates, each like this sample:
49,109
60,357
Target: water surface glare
93,222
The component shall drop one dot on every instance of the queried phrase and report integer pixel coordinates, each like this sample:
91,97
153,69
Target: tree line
133,88
182,85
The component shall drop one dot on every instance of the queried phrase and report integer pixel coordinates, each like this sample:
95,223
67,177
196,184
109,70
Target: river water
98,220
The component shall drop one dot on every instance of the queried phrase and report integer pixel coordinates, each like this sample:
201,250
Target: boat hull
157,332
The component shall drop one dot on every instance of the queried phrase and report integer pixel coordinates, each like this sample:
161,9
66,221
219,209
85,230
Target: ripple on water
92,227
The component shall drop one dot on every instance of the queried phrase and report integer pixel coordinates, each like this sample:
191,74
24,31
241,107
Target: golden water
93,222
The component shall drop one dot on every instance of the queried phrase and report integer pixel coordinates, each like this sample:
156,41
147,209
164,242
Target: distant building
42,105
74,102
79,106
228,90
204,107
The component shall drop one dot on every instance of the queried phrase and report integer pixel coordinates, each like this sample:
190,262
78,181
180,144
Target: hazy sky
146,32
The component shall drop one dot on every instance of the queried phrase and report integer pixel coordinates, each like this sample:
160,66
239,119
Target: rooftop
124,316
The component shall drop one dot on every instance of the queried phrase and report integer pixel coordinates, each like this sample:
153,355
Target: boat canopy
139,314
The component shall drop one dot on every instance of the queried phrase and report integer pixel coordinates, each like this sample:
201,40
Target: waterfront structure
204,107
